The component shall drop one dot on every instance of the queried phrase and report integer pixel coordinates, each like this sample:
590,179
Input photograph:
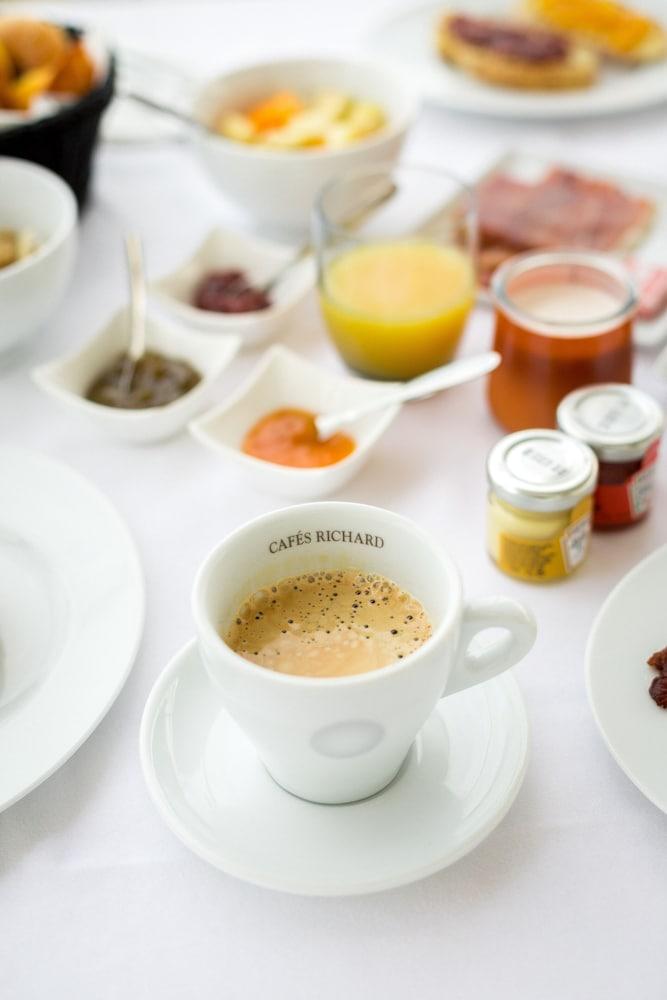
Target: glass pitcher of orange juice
396,276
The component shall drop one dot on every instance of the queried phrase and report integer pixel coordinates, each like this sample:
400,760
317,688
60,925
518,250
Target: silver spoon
137,311
455,373
306,249
166,109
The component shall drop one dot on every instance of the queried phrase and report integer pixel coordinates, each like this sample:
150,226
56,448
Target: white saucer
457,783
632,624
71,615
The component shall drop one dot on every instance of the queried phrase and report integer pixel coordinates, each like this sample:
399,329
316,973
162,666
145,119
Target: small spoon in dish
445,377
137,311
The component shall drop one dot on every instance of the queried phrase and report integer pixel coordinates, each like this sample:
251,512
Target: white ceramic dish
33,198
632,624
408,38
68,379
457,783
71,615
279,188
284,379
261,260
651,248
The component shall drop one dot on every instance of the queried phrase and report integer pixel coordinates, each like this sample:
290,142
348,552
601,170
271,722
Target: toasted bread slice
615,31
577,68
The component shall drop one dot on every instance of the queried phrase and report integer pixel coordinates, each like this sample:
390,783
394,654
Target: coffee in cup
329,623
338,737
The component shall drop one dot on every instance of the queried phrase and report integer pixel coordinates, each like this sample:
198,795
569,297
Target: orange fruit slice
275,111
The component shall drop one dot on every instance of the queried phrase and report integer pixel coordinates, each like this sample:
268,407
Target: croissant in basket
38,58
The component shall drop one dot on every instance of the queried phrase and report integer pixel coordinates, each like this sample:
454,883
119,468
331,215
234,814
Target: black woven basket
64,142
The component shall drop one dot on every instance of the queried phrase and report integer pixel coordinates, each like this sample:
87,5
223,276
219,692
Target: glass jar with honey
563,320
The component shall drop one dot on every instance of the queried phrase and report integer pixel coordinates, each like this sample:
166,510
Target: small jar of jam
540,504
623,426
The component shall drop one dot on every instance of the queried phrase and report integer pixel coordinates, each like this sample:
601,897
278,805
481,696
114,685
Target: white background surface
567,900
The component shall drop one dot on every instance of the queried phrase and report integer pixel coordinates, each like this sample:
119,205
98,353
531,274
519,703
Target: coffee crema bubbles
329,624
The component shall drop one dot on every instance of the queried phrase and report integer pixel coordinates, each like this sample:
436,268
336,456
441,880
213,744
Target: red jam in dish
229,292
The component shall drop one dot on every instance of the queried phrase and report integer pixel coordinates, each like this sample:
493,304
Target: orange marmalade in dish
289,437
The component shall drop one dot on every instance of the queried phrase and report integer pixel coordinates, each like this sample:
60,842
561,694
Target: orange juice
397,309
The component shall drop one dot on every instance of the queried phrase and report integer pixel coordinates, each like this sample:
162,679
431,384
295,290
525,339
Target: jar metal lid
542,470
618,421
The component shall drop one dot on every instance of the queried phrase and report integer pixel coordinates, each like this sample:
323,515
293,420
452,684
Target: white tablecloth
568,898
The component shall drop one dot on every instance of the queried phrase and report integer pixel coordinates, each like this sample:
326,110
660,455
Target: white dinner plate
71,615
408,39
457,783
631,625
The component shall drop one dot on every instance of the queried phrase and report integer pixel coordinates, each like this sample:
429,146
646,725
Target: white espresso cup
339,739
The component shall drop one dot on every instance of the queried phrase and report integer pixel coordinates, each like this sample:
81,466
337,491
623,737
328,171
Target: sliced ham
562,210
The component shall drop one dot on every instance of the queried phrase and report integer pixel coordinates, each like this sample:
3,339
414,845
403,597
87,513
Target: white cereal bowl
261,260
34,198
279,188
68,379
284,379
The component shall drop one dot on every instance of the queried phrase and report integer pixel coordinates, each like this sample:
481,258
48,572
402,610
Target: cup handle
500,653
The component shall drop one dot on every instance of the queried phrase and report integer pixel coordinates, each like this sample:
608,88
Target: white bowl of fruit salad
276,132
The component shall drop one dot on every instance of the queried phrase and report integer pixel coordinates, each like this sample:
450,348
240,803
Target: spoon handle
455,373
306,249
445,377
135,270
164,109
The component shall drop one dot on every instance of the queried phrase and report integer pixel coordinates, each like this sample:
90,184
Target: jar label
550,558
623,503
640,489
574,541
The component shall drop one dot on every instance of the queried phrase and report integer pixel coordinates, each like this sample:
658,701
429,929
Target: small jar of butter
623,426
540,504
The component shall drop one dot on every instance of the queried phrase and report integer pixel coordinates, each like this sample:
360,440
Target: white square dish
68,379
260,260
284,379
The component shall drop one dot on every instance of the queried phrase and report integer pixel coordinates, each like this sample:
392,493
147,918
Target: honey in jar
563,320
